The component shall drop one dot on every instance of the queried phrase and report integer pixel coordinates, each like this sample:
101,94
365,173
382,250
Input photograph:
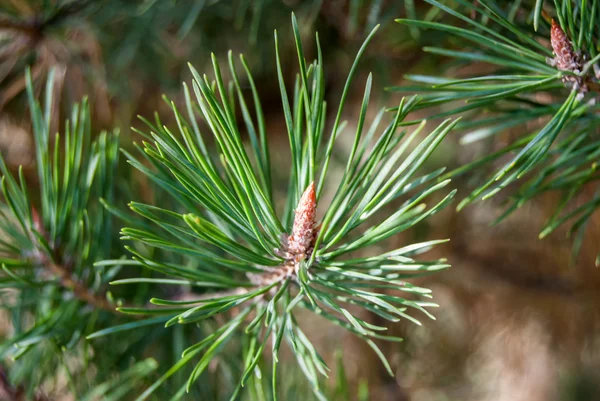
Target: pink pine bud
565,57
303,231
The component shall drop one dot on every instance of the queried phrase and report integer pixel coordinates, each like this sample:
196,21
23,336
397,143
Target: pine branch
535,60
80,290
64,272
48,251
257,268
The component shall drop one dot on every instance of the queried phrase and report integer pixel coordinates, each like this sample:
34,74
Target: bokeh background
518,317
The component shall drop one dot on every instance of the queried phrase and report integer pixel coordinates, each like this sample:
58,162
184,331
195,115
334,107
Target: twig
80,290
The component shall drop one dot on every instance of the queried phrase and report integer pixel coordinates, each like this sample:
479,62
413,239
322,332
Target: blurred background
518,317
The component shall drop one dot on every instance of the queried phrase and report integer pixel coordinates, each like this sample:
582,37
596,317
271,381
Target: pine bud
303,231
566,59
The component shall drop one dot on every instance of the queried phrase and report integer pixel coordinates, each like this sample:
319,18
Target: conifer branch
259,266
533,61
79,289
63,272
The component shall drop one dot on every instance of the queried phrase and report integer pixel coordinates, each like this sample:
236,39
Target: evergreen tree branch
256,268
79,289
543,71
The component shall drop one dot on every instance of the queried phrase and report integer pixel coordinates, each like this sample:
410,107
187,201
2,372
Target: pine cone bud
303,231
566,59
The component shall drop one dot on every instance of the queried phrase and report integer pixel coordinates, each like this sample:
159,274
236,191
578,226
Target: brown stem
35,25
79,289
15,25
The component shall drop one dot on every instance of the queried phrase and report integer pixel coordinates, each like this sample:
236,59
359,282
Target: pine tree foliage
48,246
52,294
219,264
542,83
259,268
